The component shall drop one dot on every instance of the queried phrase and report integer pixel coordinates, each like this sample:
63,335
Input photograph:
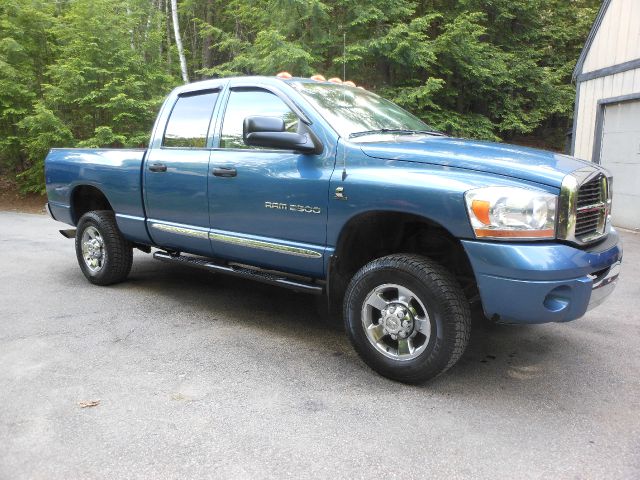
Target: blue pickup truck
329,189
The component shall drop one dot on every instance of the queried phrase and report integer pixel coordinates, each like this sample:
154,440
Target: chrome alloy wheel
396,322
93,249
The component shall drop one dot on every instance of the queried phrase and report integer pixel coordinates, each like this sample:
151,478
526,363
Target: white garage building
606,125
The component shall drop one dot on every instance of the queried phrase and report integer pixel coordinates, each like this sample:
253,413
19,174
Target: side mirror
270,132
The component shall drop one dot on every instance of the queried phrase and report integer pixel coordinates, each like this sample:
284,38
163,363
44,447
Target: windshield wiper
398,131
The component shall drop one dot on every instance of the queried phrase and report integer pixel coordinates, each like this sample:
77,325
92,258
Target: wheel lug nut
405,324
402,334
392,309
400,314
395,337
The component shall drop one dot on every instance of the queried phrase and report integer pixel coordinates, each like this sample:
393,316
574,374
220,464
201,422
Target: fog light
558,299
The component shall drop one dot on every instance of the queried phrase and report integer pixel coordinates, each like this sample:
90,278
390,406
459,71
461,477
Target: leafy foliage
93,72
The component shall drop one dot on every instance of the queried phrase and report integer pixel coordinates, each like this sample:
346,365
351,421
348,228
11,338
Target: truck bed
115,172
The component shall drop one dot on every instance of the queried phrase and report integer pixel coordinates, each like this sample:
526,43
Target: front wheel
104,255
407,317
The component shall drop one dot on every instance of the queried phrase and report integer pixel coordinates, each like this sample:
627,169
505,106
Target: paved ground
204,376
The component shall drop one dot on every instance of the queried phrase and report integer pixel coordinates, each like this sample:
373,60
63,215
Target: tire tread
451,296
119,249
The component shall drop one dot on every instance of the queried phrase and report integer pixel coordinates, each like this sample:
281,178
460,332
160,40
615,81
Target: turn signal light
489,233
481,209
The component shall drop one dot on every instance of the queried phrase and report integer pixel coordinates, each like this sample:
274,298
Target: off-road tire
118,252
444,300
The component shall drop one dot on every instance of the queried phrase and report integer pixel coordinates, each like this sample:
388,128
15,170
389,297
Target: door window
246,103
189,121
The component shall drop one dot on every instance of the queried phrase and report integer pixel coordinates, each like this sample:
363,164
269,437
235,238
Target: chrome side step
243,272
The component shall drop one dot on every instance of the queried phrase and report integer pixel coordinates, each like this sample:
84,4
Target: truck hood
525,163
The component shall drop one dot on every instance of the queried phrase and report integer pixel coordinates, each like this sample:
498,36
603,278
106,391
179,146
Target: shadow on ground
514,352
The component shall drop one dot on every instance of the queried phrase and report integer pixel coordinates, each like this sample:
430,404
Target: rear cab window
189,121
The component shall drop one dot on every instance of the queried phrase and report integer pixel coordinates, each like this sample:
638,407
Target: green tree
93,72
24,48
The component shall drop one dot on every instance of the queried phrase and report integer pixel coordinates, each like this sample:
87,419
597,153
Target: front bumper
603,285
543,282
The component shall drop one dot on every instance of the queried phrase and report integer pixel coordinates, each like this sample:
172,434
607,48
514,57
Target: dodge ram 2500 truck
332,190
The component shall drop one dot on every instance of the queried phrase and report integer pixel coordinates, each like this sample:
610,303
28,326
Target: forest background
93,73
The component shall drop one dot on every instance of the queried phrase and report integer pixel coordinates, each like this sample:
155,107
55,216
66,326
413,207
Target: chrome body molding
190,232
568,205
237,240
262,245
130,217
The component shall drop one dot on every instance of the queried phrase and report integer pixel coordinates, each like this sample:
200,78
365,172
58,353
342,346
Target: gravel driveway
202,376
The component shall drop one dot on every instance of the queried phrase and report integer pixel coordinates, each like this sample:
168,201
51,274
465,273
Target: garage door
620,154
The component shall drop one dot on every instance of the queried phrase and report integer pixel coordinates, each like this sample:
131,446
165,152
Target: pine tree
93,72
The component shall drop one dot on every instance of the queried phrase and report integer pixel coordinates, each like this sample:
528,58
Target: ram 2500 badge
332,190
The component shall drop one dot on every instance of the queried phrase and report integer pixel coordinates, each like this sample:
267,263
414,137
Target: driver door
267,207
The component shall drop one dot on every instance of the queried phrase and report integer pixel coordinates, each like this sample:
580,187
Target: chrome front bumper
603,285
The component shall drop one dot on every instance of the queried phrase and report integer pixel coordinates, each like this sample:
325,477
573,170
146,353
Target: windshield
353,110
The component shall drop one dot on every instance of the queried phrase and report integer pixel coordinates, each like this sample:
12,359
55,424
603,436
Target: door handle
225,172
158,167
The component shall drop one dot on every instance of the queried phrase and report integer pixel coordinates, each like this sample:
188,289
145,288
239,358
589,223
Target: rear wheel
407,317
104,255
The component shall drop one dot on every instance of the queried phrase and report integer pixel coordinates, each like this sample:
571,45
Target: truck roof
248,79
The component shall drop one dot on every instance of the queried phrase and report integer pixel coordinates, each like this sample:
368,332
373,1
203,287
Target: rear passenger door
176,175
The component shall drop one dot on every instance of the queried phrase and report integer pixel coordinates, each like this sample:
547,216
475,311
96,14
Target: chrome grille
591,207
590,192
584,206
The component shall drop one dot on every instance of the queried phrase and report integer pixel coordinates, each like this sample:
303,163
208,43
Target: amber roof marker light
318,77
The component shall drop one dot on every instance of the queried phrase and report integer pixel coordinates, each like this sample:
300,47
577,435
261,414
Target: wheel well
376,234
86,198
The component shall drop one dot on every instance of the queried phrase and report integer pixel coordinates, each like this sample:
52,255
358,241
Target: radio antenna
344,56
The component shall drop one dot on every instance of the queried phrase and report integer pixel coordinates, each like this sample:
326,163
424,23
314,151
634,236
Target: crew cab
329,189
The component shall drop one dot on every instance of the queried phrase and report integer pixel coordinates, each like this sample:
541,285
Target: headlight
510,212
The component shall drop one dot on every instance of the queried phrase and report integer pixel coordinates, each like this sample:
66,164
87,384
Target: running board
243,272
